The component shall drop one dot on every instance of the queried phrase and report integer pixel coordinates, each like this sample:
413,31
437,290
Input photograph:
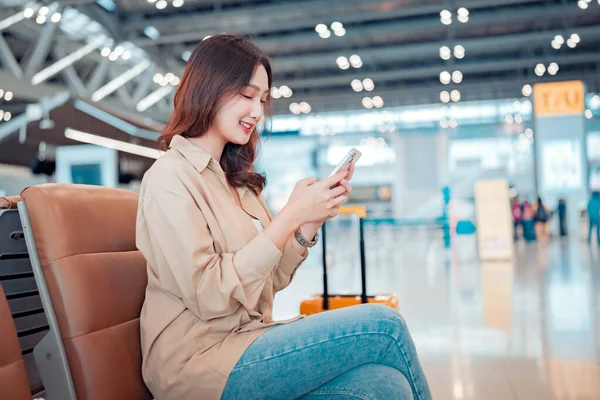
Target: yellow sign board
558,98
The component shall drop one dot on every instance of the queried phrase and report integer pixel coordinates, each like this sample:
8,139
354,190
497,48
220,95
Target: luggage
326,301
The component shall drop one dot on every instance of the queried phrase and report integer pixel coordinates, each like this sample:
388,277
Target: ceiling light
305,107
113,56
445,77
325,34
295,108
453,123
175,81
56,17
151,1
356,85
446,21
186,55
529,133
463,15
588,114
459,51
444,97
445,14
336,26
368,84
320,28
559,39
105,52
367,102
161,4
275,93
177,3
455,95
28,12
126,55
43,10
151,32
556,45
540,69
85,137
445,53
118,50
518,118
575,37
509,119
571,43
582,4
339,32
356,61
553,68
378,101
444,123
285,91
341,60
595,101
527,90
457,77
40,19
157,78
8,96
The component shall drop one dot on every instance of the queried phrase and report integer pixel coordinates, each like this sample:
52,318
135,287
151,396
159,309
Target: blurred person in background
528,222
542,217
593,210
562,217
216,258
517,216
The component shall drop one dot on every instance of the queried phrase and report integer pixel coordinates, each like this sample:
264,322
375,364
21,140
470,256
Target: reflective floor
526,329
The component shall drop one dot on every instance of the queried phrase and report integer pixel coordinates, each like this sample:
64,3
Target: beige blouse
212,273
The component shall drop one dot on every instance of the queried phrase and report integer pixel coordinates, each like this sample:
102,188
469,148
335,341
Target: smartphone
350,158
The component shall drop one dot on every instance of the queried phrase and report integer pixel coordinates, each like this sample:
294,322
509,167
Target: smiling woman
214,89
216,258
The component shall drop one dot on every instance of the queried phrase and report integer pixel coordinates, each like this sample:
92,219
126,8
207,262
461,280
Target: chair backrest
13,378
92,281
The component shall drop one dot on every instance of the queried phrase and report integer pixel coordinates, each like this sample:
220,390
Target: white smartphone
350,158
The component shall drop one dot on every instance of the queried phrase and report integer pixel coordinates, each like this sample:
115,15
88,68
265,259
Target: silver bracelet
302,240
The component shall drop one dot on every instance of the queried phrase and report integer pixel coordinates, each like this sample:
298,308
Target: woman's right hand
313,201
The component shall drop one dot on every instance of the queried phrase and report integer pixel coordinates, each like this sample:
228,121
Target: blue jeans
361,352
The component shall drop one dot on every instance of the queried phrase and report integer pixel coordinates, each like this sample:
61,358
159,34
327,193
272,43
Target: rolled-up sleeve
212,285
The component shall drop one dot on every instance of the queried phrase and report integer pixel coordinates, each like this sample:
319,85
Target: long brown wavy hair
220,67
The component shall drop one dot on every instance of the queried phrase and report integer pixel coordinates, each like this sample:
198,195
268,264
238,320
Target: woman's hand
313,201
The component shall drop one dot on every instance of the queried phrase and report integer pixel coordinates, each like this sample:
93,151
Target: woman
216,258
542,218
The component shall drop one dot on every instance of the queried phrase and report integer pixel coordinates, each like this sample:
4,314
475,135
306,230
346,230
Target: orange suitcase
319,303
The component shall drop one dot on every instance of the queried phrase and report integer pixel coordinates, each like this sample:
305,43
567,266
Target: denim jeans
361,352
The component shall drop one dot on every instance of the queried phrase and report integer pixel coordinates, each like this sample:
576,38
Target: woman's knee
387,320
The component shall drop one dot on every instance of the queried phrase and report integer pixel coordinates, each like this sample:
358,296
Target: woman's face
236,121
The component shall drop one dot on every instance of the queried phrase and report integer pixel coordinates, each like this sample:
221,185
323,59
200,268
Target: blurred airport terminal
479,125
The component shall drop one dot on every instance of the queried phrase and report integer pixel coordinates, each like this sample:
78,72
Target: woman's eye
263,101
248,97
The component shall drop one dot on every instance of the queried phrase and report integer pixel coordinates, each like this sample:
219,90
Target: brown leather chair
92,282
13,377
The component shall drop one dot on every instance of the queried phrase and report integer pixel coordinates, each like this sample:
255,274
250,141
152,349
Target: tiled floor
527,329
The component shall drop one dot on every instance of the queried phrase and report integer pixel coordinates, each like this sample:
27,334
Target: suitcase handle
361,213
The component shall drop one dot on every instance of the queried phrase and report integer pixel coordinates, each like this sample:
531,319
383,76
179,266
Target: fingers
337,202
309,181
336,191
350,172
346,185
334,180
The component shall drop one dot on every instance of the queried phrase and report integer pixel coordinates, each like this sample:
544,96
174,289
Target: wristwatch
302,240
